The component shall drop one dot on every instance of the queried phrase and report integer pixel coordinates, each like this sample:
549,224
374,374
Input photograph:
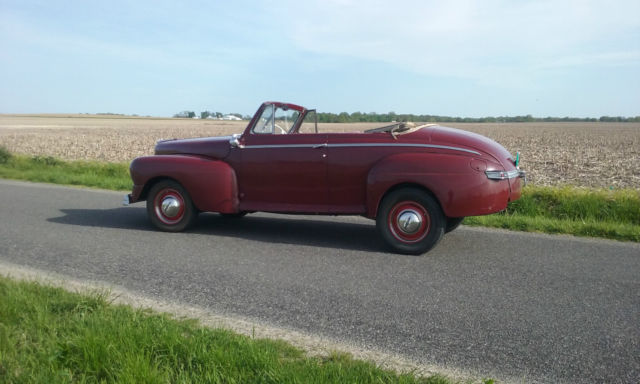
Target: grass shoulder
47,169
49,335
611,214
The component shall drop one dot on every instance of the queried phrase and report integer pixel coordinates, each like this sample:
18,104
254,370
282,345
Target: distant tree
205,114
185,114
344,117
392,116
618,119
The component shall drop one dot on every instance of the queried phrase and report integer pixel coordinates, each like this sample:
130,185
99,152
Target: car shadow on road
285,229
121,218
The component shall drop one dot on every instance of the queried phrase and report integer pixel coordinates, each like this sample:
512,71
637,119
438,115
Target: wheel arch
150,183
408,185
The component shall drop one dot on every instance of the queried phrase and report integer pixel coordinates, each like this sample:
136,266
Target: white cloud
24,33
480,40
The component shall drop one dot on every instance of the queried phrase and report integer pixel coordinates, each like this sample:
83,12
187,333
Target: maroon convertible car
417,182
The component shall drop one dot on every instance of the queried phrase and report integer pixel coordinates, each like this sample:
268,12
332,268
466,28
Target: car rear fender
212,184
460,189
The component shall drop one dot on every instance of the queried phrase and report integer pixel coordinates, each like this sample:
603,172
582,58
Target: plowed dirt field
603,155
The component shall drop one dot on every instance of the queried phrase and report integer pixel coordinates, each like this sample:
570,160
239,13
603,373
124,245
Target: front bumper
135,195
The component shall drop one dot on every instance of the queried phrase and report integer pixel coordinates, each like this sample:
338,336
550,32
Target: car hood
212,147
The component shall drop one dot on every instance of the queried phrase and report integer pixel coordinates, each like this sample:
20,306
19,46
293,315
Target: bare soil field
605,155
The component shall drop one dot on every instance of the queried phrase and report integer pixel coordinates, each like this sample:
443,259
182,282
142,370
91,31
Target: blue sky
458,58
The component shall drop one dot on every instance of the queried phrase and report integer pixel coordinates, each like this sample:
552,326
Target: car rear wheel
169,207
410,221
453,223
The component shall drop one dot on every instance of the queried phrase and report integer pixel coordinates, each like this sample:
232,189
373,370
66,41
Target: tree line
373,117
207,114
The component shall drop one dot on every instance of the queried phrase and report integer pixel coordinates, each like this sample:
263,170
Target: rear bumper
517,180
515,185
503,175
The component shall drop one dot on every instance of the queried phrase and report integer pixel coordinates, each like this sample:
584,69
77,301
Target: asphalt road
512,306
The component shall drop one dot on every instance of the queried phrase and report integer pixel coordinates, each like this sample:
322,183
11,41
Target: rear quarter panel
460,189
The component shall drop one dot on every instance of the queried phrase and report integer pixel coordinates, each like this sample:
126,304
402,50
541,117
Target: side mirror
235,141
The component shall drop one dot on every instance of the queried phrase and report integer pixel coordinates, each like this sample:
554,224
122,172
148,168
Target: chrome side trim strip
281,146
362,145
406,145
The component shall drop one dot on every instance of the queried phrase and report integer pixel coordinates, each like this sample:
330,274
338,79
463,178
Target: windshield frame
275,106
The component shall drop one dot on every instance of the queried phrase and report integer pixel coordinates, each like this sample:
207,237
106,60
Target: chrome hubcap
170,206
409,221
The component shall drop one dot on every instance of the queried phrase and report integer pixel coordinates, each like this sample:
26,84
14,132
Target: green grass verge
566,210
49,335
47,169
612,214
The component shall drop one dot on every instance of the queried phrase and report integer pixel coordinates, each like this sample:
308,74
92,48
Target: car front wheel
169,207
410,221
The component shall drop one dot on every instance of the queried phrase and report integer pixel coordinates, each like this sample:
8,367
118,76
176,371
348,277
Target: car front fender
212,184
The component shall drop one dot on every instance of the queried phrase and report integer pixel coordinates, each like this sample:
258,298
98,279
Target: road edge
313,345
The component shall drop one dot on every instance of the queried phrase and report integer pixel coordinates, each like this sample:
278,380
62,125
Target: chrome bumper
503,175
523,176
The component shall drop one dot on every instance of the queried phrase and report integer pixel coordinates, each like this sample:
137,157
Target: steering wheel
282,130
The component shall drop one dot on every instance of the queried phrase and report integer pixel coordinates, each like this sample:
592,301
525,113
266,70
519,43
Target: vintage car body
416,182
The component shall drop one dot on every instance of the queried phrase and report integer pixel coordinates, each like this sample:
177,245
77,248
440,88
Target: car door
281,171
350,157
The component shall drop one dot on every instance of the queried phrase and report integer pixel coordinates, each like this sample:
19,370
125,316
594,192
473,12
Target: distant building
230,117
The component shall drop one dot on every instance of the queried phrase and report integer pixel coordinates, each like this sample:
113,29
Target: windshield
276,120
